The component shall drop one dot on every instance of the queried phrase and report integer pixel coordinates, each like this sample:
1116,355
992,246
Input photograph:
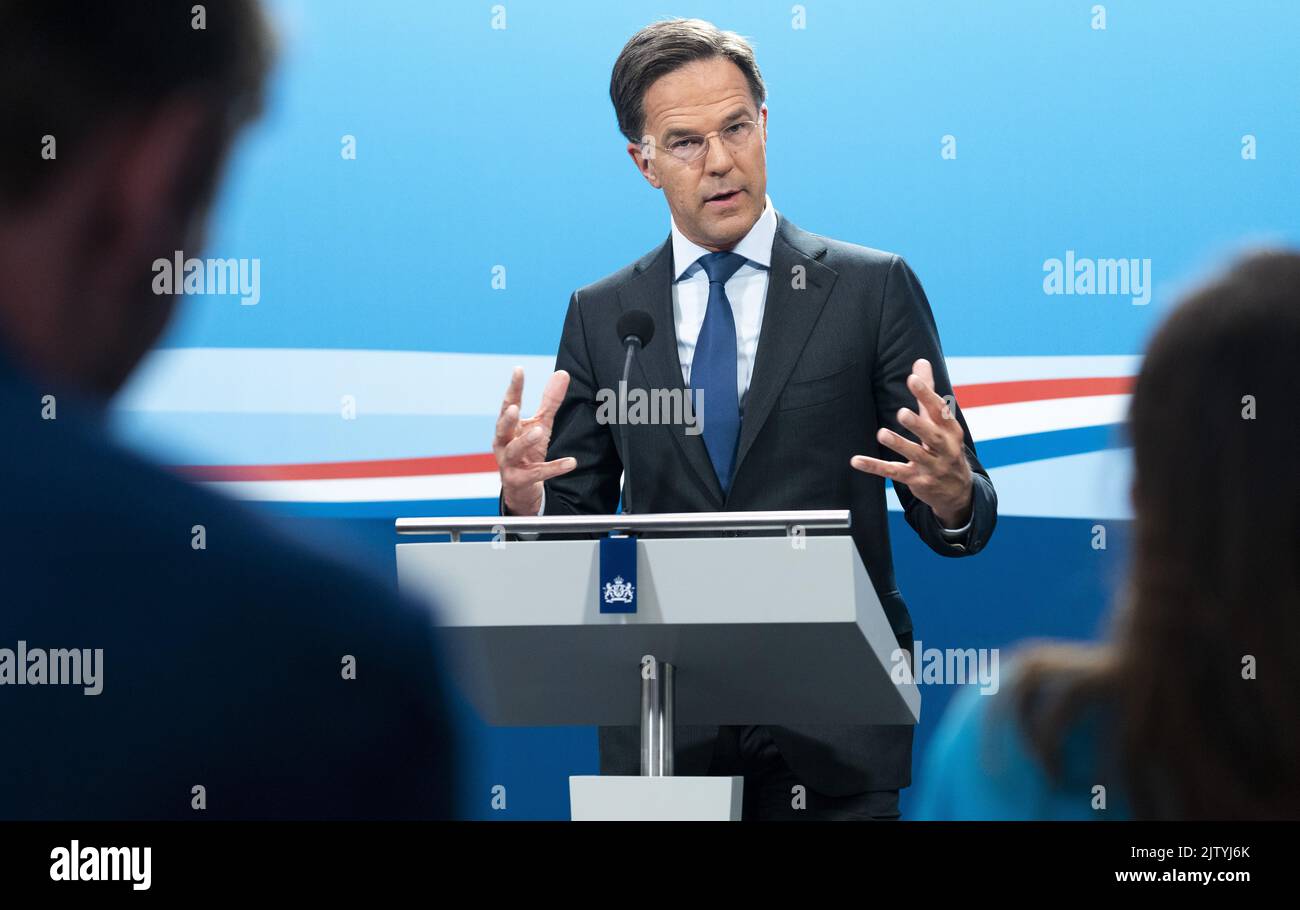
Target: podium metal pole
650,719
666,705
657,717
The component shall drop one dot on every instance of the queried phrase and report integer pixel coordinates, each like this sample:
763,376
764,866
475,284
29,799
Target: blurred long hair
1200,680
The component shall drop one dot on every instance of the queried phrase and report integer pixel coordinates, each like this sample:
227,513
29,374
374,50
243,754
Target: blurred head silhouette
117,119
1204,671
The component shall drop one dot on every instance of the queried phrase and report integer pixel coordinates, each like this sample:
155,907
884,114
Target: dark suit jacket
221,666
842,326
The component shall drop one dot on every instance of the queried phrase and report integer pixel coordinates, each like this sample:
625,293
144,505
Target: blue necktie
713,368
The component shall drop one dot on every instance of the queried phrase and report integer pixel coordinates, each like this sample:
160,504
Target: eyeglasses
691,148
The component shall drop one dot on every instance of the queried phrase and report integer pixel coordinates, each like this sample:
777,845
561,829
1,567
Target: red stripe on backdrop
986,393
968,396
344,470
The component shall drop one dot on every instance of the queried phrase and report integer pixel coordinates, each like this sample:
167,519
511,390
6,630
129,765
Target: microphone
636,326
635,329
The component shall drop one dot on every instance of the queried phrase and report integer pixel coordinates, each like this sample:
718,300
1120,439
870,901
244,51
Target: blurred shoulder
980,764
77,497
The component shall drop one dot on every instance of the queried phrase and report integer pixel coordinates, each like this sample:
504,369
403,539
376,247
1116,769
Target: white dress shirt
746,289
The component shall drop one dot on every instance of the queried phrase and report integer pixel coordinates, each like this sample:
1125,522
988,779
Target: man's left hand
936,470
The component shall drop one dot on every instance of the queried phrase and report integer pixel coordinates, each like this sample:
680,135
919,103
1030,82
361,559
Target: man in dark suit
809,352
163,653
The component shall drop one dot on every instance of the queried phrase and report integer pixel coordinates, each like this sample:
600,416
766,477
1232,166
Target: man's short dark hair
662,47
71,66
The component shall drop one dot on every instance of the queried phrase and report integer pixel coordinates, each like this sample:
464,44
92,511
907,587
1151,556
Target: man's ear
643,156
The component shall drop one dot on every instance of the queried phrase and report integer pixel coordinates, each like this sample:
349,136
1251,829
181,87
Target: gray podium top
761,630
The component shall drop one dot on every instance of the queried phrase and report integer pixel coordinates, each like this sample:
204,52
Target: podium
784,629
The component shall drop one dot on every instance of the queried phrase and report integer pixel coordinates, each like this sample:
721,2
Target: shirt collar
756,246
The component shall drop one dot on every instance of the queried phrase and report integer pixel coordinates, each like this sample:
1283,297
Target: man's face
78,306
715,199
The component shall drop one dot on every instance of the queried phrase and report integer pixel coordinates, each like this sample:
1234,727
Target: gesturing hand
936,470
520,445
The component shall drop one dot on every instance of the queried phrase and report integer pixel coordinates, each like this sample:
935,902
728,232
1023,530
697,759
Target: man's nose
718,159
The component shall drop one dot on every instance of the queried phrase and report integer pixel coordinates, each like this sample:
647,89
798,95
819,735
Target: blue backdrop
978,140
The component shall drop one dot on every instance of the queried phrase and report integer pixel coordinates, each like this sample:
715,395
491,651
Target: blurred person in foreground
1192,710
142,675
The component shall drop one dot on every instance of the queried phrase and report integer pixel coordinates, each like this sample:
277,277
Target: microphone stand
633,342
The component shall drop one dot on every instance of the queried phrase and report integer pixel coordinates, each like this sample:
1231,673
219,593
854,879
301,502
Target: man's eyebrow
738,113
675,133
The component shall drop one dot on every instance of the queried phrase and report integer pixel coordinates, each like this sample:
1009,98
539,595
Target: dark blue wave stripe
997,453
421,508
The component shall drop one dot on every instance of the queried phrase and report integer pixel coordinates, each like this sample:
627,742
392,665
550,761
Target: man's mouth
724,198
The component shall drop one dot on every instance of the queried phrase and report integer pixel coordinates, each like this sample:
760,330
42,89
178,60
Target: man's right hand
520,445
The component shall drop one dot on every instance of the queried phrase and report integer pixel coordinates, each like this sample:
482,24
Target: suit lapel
789,315
650,289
